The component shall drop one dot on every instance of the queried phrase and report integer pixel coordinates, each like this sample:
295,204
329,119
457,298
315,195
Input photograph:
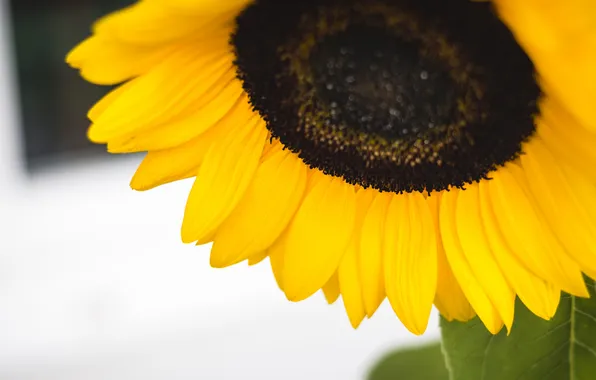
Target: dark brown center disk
398,95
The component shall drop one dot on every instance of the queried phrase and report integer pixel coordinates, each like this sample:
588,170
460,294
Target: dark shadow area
53,98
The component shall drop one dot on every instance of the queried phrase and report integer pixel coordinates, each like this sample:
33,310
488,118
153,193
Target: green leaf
416,363
561,349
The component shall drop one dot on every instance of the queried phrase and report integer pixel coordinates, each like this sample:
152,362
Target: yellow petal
584,191
541,297
473,290
277,250
528,234
223,177
318,236
157,169
277,259
478,254
106,61
371,253
264,212
169,165
563,212
151,23
257,258
449,298
272,147
350,286
160,97
565,137
230,101
331,289
107,100
560,37
348,272
410,260
202,7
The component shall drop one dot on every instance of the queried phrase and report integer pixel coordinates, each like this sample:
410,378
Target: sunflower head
420,151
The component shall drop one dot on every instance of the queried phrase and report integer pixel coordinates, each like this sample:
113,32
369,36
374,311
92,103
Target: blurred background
94,281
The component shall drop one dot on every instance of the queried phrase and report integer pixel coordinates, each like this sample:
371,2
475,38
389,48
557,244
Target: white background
95,284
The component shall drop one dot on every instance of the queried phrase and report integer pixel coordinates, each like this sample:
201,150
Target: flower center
378,84
398,95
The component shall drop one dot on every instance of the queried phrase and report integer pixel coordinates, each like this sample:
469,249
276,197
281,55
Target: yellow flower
425,151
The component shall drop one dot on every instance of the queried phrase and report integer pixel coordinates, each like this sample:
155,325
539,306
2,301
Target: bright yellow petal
272,147
541,297
151,23
202,7
331,289
371,253
449,298
106,62
560,37
563,212
107,100
584,191
318,236
350,286
277,259
257,258
277,250
160,168
462,270
525,230
348,272
478,254
160,97
228,103
264,212
565,137
223,178
169,165
410,260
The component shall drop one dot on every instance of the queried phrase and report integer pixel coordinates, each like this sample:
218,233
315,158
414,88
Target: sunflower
424,151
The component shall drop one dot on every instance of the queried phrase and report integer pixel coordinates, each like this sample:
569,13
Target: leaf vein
554,329
585,347
553,370
553,352
484,361
587,315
